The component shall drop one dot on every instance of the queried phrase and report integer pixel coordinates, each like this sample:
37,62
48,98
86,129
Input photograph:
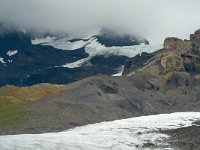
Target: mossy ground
11,113
12,98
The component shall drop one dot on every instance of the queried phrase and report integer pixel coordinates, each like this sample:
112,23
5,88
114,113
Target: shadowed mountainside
39,63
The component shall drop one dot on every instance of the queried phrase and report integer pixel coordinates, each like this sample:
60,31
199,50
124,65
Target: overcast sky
153,19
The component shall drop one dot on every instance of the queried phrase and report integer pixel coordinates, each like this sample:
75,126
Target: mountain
25,61
166,81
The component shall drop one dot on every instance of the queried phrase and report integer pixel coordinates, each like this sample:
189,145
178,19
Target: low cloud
153,19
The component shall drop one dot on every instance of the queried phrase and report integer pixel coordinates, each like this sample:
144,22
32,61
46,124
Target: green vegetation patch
12,98
11,113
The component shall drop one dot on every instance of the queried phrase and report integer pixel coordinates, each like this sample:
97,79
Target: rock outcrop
195,37
177,64
185,55
177,55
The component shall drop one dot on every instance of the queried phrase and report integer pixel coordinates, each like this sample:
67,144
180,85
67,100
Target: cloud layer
153,19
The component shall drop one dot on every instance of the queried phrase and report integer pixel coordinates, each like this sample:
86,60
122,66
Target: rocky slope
185,138
166,81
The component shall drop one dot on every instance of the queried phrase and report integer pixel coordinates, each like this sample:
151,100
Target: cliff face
186,53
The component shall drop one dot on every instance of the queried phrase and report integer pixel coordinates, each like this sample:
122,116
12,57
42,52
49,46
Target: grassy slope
12,99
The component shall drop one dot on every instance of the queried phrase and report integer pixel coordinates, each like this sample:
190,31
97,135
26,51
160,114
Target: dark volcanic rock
136,62
110,38
185,138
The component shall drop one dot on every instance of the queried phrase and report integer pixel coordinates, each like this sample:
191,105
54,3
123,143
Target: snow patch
38,41
120,71
127,134
2,60
76,64
65,44
9,61
12,52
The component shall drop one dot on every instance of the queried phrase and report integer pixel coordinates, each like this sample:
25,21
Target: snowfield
128,134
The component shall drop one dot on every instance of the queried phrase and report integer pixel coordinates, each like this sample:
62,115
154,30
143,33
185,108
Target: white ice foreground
127,134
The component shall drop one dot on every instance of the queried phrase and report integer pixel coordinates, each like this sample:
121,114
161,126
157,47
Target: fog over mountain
153,19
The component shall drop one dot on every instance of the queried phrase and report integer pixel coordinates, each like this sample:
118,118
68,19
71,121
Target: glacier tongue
94,49
127,134
129,51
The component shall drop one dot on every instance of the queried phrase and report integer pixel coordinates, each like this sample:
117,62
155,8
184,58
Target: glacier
94,48
128,51
127,134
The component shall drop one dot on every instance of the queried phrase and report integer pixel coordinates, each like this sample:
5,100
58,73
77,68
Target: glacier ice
126,134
